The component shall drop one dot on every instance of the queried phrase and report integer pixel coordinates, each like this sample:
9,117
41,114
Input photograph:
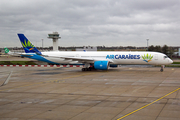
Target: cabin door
156,57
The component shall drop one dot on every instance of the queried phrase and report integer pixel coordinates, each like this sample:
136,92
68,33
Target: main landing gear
88,69
162,68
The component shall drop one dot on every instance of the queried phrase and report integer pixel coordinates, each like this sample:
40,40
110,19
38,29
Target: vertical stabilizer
27,45
6,50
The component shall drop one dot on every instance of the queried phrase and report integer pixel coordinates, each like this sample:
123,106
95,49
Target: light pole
147,43
42,44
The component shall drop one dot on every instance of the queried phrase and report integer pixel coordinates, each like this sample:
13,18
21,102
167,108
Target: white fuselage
141,58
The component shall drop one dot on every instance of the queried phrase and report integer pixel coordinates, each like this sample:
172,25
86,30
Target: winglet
27,45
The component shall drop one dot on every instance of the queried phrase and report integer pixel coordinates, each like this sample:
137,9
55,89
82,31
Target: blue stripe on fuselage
40,58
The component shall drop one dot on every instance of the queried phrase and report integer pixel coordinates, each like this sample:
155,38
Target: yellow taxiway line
147,105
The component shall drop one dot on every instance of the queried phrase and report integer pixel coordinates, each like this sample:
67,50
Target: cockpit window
165,57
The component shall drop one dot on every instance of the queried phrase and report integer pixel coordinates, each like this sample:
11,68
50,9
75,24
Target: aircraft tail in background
27,45
6,50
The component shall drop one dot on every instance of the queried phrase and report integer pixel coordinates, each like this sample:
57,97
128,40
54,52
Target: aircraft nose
170,61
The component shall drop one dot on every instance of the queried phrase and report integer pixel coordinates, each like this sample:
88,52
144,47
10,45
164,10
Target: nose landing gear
162,68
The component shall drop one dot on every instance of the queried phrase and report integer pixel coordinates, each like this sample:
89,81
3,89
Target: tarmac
128,93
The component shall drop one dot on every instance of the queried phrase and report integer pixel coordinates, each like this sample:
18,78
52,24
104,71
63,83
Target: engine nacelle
101,65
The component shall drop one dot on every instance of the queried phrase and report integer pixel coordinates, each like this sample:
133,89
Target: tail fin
6,50
27,45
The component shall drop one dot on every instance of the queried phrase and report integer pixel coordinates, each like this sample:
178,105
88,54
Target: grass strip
17,63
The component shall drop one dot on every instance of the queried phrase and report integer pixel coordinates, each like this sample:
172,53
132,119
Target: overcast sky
91,22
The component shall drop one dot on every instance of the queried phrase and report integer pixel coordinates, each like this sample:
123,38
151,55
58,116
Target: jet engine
101,65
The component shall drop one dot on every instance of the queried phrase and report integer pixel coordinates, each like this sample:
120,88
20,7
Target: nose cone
170,61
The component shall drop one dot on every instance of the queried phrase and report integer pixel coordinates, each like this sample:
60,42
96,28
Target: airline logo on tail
27,45
6,50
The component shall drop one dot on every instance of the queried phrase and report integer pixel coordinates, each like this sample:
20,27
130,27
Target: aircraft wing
79,59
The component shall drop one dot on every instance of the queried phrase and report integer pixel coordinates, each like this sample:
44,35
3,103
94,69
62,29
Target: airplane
94,60
7,51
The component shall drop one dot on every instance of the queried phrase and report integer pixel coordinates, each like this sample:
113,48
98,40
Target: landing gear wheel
85,69
162,68
88,69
